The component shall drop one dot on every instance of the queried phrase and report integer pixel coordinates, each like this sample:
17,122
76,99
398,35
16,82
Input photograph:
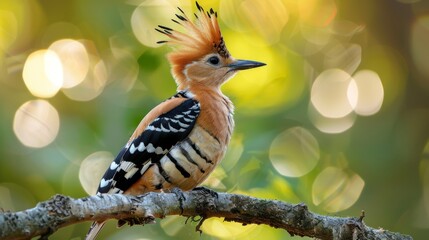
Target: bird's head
200,55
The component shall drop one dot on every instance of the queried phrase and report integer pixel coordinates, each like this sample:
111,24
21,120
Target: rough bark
60,211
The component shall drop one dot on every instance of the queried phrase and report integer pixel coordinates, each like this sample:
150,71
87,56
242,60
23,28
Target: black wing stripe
197,150
179,167
189,158
163,172
151,145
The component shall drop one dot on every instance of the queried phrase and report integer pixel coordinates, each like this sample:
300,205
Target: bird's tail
94,230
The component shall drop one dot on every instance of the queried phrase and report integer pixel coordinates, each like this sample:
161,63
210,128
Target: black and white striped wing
149,147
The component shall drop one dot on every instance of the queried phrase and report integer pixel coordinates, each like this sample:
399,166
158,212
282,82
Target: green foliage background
388,150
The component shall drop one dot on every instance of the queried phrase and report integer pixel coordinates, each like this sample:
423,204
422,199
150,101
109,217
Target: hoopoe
180,141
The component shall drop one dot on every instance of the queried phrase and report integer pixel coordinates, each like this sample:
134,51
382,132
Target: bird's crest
202,37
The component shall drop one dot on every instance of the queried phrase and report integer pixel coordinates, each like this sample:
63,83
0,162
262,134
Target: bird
180,141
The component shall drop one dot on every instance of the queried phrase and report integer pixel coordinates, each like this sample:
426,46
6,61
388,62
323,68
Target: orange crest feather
202,37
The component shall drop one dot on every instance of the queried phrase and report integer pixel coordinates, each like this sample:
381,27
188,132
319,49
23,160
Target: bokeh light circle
43,73
92,169
331,125
148,15
332,93
36,123
93,85
74,59
370,92
294,152
335,190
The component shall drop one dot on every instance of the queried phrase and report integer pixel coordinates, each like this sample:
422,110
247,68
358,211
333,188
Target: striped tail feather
94,230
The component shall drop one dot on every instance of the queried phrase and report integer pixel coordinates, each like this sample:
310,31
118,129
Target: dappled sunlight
36,123
74,60
370,92
93,84
294,152
342,78
151,13
330,93
43,73
330,125
335,189
92,169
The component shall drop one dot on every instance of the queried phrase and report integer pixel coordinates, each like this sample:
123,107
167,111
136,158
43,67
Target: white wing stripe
104,183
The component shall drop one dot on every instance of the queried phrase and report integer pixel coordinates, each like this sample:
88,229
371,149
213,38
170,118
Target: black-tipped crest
199,7
202,36
180,17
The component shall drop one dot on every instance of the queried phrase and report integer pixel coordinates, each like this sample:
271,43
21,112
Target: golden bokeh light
36,123
93,84
335,190
331,92
43,73
92,169
370,92
294,152
74,59
151,13
330,125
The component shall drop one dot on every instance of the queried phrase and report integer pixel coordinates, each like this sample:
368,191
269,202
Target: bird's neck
202,90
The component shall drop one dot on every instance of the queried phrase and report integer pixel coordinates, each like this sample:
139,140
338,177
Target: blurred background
338,119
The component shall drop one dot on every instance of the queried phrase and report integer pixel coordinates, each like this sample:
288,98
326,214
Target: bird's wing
165,126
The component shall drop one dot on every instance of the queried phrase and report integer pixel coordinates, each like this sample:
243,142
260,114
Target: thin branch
60,211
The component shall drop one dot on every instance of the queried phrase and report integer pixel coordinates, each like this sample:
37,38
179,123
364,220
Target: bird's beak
244,64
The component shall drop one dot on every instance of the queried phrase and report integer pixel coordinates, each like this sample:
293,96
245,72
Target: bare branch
61,211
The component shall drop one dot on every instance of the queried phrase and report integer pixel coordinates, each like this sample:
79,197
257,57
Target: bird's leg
206,191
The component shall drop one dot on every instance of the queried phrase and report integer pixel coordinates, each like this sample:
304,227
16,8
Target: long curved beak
244,64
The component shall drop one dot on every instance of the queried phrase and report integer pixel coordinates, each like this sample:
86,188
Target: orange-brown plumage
180,142
201,38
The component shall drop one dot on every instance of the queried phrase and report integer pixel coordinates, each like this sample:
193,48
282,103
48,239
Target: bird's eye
213,60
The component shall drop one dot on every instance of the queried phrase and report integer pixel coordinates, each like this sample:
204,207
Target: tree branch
61,211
